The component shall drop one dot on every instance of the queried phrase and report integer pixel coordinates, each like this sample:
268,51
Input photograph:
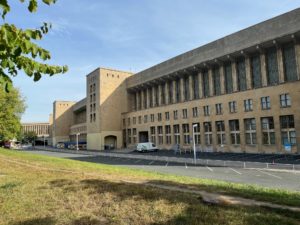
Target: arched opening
110,142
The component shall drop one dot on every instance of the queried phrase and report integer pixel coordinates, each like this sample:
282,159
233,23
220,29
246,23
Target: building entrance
143,136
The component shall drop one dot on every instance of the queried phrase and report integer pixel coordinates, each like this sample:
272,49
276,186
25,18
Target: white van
146,147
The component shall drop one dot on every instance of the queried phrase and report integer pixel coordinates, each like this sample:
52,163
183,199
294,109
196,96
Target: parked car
146,147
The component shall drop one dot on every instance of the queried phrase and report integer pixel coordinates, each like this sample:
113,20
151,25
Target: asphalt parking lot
289,180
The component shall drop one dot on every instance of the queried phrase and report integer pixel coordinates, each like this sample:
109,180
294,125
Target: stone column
182,97
148,97
137,99
174,91
222,79
211,83
191,88
159,89
263,69
248,72
154,103
234,76
280,65
200,78
297,52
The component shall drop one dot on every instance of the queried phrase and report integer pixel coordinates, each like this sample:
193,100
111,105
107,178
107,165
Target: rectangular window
289,62
160,135
248,105
285,100
168,134
221,138
140,119
205,80
145,118
152,135
129,136
241,74
186,86
195,81
217,81
145,99
177,90
167,116
288,132
232,107
265,103
186,133
134,137
184,114
159,117
128,121
170,86
156,95
152,117
272,66
250,131
234,127
134,120
228,78
208,133
150,97
268,133
219,109
124,122
206,110
197,135
163,94
255,71
177,134
195,112
175,114
140,100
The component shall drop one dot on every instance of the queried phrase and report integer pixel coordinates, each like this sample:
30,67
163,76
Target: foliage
19,52
11,107
30,136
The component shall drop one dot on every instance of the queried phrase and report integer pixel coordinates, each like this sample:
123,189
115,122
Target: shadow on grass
195,212
37,221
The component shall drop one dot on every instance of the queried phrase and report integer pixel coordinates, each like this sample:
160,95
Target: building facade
240,93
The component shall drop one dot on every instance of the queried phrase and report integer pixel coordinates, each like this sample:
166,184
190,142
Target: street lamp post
194,126
77,148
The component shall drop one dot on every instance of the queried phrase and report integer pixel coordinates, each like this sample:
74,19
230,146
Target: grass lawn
43,193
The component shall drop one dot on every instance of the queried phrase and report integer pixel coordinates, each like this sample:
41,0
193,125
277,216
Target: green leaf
32,7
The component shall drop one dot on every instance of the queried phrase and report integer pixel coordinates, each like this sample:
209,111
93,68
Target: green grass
95,194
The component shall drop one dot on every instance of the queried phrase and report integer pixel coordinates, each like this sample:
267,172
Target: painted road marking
210,169
236,171
272,175
150,163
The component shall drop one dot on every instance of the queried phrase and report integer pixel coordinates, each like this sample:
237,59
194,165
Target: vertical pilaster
200,77
167,98
153,96
280,64
159,103
234,76
211,83
263,68
182,97
191,88
222,79
297,52
148,97
143,106
174,91
248,72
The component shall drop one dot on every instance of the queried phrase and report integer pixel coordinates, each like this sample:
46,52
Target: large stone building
241,93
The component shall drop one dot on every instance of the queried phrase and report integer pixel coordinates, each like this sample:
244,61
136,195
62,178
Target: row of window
272,72
285,101
287,129
92,102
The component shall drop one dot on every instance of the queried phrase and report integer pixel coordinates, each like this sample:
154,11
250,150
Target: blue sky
129,35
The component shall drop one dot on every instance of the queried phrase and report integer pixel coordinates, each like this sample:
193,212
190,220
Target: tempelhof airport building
242,92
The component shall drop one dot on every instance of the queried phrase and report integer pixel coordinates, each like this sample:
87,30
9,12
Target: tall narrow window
168,134
170,86
206,110
289,62
265,103
272,66
217,81
195,86
153,136
167,116
197,135
234,127
232,107
205,80
184,114
145,99
163,94
140,100
208,133
248,105
175,114
129,136
195,111
220,132
241,74
219,109
134,137
150,97
156,96
186,133
152,118
255,71
285,100
159,117
228,78
177,134
177,90
288,132
160,135
268,133
250,131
